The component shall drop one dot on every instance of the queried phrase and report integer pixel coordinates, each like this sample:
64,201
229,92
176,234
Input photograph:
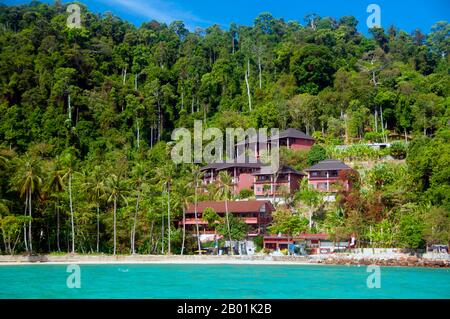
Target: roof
290,132
321,236
267,170
327,165
293,133
222,166
249,206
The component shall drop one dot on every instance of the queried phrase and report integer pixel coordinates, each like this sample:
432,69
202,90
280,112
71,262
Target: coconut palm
69,161
309,197
116,188
224,188
55,186
182,201
139,173
164,175
29,182
95,189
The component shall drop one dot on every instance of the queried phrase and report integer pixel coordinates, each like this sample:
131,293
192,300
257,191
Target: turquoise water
221,281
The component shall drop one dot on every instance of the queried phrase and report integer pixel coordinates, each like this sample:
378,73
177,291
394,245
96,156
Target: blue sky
407,15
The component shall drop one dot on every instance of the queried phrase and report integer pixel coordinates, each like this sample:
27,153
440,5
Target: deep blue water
221,281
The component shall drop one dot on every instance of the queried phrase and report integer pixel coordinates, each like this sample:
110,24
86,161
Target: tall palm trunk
133,234
29,223
162,227
196,221
24,225
71,214
184,230
115,235
98,228
228,225
168,216
57,225
150,242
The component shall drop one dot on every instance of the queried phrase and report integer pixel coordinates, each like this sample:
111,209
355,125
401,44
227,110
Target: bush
245,193
398,150
316,154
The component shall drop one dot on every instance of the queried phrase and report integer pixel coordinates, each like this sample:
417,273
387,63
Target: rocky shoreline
435,261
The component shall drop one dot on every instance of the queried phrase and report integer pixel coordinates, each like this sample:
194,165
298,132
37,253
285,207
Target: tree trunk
260,71
124,75
57,225
196,221
71,214
162,230
168,217
115,234
138,133
24,225
150,248
98,228
248,86
133,234
228,226
29,223
184,231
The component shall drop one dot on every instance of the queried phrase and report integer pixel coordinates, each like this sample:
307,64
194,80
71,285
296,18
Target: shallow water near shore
221,281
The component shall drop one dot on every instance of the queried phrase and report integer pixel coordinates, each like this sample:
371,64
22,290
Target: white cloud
162,11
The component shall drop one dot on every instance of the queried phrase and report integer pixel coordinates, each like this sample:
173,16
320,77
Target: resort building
310,243
256,177
326,175
241,174
268,184
256,214
289,138
294,139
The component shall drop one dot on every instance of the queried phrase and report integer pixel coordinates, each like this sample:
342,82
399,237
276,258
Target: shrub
398,150
245,193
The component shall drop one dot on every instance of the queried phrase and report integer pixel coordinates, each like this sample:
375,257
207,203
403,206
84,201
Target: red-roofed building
256,214
325,175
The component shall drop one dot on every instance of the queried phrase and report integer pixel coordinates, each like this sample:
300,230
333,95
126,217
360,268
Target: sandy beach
328,259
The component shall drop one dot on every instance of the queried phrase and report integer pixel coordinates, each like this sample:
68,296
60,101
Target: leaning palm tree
28,181
196,181
224,188
55,186
95,189
116,188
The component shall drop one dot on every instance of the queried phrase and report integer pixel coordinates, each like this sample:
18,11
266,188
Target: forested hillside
85,115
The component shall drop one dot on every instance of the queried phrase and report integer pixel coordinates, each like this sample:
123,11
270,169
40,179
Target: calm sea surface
221,281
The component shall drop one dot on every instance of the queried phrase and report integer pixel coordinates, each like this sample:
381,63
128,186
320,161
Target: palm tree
310,197
54,187
224,188
182,200
164,175
116,188
197,178
28,181
139,173
95,189
69,161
